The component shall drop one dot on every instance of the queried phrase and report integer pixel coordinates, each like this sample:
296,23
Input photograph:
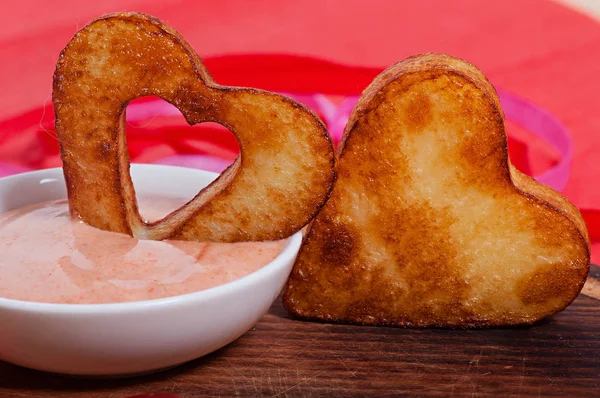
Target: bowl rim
287,255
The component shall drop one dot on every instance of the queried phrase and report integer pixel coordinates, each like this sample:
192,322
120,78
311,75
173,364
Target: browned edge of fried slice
402,266
285,171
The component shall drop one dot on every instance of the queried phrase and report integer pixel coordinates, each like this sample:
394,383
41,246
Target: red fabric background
535,48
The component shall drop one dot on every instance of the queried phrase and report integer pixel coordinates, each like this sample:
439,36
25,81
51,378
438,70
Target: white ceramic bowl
137,337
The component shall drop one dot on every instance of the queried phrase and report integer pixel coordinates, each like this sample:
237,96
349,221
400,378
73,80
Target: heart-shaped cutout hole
158,133
282,178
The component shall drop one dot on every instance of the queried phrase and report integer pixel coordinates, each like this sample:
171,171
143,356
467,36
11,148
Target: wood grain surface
283,357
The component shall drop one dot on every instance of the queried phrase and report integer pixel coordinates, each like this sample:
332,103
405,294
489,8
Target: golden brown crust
550,197
282,178
429,224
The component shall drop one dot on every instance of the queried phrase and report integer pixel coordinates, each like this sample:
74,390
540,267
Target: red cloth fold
541,50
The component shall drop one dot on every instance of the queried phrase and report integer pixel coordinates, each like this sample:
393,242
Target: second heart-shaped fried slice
282,178
429,224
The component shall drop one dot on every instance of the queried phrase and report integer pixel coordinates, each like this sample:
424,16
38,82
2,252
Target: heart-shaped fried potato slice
282,178
429,224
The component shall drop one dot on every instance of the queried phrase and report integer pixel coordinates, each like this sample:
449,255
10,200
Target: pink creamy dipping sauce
46,256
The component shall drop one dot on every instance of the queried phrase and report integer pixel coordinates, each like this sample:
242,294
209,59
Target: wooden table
286,357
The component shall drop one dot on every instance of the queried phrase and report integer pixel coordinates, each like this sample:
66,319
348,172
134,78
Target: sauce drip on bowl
46,256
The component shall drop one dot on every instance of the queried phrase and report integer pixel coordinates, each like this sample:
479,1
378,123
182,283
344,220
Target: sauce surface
46,256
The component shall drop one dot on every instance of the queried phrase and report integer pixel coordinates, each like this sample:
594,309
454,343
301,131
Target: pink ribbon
546,127
335,115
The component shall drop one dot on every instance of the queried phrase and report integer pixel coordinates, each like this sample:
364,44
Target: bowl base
101,376
119,375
